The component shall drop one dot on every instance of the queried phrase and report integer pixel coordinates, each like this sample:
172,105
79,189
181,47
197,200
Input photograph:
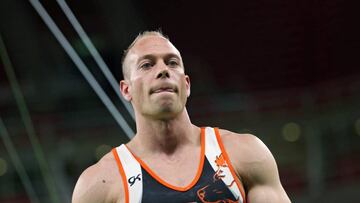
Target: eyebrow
153,56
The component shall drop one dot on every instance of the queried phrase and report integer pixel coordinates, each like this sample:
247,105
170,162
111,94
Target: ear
187,80
125,90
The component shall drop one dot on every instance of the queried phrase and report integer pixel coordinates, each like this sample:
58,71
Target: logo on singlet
133,179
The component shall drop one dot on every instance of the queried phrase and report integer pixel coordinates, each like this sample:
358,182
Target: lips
160,89
164,90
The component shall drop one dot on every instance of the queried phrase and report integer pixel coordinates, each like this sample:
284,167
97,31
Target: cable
17,163
25,116
93,51
81,66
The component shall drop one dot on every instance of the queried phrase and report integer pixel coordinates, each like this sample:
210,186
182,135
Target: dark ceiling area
238,46
251,45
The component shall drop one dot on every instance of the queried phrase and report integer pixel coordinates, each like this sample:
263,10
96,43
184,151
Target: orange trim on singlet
122,173
217,133
193,182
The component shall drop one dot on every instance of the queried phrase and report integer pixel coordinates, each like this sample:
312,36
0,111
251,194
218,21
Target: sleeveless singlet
215,181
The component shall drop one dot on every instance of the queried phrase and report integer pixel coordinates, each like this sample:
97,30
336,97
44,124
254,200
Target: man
170,159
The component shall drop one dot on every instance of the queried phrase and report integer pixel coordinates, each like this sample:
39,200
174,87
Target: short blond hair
125,70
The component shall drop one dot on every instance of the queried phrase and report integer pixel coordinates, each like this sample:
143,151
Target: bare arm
263,179
256,167
99,183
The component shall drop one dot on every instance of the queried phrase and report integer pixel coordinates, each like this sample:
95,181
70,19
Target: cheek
138,88
184,89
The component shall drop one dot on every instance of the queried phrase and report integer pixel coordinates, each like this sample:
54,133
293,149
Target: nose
163,72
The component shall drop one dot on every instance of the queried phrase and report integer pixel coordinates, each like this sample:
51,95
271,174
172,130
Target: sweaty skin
166,140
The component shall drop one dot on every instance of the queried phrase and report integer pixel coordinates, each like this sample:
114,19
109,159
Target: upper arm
256,167
263,179
89,188
99,183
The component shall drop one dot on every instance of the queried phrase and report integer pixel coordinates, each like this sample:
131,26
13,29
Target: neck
164,136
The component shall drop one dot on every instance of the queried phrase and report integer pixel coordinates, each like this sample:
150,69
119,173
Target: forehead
152,45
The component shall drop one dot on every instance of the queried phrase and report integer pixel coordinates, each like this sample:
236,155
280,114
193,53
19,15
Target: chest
205,187
178,173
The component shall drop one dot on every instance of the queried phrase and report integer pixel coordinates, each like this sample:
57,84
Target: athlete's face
156,84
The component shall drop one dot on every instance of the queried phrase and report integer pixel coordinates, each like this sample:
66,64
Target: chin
165,112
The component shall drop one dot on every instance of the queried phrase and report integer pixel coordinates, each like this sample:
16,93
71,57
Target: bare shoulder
255,166
250,157
248,154
248,147
100,183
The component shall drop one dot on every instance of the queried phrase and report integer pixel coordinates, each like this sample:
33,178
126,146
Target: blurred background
285,71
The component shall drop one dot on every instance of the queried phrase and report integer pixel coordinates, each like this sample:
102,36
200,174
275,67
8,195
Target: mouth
163,89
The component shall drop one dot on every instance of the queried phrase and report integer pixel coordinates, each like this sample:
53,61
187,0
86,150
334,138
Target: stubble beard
165,110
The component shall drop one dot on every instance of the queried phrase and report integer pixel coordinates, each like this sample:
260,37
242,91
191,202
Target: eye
146,65
173,62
